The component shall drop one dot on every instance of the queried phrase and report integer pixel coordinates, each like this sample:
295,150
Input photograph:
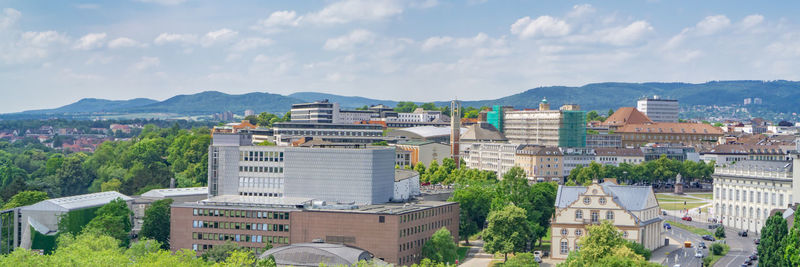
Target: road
741,247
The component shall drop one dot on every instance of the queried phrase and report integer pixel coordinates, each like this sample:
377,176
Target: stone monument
678,185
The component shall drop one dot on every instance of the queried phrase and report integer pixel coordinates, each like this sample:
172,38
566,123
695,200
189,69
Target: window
381,219
595,216
578,232
610,215
564,247
564,232
625,234
602,201
587,200
578,214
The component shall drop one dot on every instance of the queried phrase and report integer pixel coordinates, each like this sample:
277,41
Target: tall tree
157,222
441,247
772,247
792,253
508,231
25,198
475,201
603,245
113,219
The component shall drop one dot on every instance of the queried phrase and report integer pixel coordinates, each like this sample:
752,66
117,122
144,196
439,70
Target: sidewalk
660,255
476,257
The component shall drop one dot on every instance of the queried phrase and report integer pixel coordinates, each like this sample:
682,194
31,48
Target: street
741,247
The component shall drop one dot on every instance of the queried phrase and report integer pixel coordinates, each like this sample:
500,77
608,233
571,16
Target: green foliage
113,219
25,198
508,231
662,169
47,243
112,185
772,247
380,143
405,107
220,253
441,247
603,245
720,232
267,119
639,249
716,248
74,221
594,116
266,143
792,252
475,201
157,222
521,260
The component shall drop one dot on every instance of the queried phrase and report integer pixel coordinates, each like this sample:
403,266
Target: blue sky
53,53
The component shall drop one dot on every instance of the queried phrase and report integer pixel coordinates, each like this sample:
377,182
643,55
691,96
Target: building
679,153
316,112
659,109
496,157
392,232
249,112
730,153
632,209
178,195
423,133
35,226
746,191
669,132
286,132
603,140
425,152
624,116
482,132
556,128
574,156
315,253
615,156
540,163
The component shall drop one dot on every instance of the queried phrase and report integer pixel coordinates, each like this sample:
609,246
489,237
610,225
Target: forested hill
777,96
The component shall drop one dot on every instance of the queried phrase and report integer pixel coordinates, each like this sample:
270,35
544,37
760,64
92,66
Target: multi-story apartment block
746,191
632,209
574,156
556,128
540,163
658,109
496,157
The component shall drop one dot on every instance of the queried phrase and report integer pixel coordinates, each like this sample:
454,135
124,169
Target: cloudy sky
53,53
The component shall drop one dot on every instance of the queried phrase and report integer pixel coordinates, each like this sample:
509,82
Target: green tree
508,231
716,248
113,219
720,232
441,247
772,247
25,198
405,107
603,245
429,106
112,185
475,201
521,260
157,222
792,253
220,253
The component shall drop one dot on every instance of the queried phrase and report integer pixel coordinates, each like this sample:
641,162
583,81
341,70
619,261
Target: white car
698,254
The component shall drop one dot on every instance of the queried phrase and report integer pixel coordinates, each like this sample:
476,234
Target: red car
686,218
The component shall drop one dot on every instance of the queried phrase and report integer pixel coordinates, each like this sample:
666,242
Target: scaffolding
572,132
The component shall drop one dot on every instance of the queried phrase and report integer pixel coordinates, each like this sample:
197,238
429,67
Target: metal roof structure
66,204
313,254
424,131
175,192
401,174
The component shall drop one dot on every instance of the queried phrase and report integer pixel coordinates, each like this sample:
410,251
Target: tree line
133,166
661,170
780,245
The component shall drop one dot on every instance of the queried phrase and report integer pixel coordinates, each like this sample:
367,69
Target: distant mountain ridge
777,96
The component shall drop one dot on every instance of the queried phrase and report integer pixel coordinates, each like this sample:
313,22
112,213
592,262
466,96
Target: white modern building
659,109
615,156
496,157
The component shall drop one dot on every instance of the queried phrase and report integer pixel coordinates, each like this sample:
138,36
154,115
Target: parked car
743,233
713,226
667,226
709,238
754,256
756,241
702,245
748,261
698,254
687,218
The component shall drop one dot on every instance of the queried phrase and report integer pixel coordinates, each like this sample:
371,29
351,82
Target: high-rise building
249,112
556,128
659,109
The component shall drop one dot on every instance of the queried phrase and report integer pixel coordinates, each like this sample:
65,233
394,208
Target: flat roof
77,202
175,192
390,208
401,174
295,203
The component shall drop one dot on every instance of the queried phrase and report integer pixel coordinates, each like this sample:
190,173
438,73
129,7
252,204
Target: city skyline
409,50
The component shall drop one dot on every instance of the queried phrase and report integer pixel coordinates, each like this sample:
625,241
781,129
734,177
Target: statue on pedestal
678,184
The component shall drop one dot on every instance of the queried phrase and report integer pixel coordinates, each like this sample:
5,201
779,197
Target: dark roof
629,197
312,254
538,150
482,131
746,149
622,152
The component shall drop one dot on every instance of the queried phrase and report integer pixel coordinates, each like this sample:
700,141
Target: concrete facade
659,110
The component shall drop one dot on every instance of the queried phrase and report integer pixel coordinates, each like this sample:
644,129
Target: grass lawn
699,231
462,253
679,205
671,197
702,195
715,258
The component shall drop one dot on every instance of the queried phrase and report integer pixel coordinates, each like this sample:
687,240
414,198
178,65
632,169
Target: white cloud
32,46
9,17
751,21
146,63
349,40
90,41
122,42
545,26
166,38
581,10
435,41
355,10
626,35
163,2
43,39
220,35
277,21
712,24
251,43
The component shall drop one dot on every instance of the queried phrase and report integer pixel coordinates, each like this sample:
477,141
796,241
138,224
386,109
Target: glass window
578,214
564,247
587,200
578,232
564,231
610,215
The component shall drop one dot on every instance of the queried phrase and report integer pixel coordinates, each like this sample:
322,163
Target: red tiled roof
627,115
670,128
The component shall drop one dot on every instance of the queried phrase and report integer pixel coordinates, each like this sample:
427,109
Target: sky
53,53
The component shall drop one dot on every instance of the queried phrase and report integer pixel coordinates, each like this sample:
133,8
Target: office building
287,132
316,112
659,109
496,157
556,128
603,140
675,152
178,195
669,132
632,209
615,156
574,156
726,154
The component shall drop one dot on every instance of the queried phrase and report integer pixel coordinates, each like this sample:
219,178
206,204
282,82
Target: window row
595,215
425,227
412,244
204,247
241,214
265,156
241,226
241,238
261,169
426,213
